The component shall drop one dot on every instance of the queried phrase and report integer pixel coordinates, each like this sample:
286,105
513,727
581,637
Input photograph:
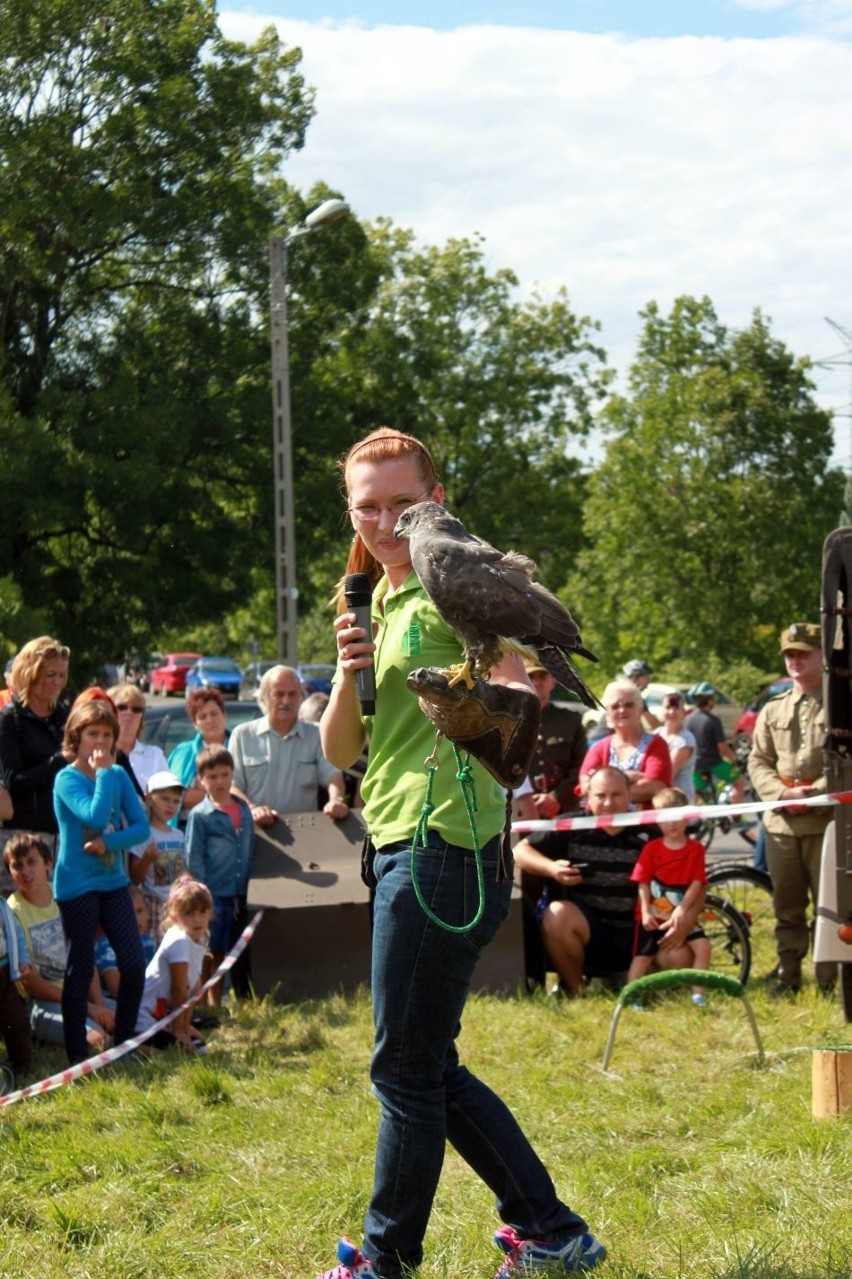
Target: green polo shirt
411,633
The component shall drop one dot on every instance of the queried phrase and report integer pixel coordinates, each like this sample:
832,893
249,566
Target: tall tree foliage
707,515
140,157
501,389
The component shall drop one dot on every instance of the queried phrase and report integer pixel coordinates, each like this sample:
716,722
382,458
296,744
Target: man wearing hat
786,763
560,749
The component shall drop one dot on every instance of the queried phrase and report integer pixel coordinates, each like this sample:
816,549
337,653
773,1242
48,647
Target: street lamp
286,591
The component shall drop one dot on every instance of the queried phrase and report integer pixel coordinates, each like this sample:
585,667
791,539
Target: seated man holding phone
588,900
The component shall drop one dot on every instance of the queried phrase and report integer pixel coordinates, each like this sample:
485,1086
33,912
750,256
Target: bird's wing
472,583
554,623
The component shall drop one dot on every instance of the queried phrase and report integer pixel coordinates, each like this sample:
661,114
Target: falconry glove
495,724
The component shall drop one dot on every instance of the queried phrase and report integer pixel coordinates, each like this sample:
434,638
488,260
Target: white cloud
627,170
827,17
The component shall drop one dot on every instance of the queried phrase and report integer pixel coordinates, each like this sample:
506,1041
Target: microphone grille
357,588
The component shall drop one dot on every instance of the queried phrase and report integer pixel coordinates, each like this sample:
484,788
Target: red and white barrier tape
694,812
92,1064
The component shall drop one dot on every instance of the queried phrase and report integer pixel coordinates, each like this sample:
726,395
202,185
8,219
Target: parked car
744,730
170,677
316,677
728,711
252,675
167,726
215,672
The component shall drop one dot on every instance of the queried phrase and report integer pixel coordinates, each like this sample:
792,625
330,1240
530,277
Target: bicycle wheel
727,933
750,892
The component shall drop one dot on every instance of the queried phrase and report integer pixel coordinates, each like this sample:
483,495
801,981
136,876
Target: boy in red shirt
672,883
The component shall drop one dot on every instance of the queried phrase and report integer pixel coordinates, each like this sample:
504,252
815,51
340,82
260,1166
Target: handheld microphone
358,594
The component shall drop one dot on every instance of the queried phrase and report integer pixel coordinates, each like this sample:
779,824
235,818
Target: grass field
689,1160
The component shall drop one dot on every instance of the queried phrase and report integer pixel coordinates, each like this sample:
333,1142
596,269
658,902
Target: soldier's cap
802,637
534,667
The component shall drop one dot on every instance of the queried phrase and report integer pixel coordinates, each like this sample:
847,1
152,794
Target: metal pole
286,592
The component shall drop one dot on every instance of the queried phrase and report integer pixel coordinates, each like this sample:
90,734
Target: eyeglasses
125,706
369,512
622,706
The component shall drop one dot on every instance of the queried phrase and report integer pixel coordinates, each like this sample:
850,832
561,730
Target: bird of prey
489,597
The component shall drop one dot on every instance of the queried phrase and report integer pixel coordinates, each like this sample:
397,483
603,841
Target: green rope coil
464,777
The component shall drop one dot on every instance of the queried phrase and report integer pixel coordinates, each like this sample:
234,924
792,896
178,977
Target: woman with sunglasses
144,760
32,725
642,756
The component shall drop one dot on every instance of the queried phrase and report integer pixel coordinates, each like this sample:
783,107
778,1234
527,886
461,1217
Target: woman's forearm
341,729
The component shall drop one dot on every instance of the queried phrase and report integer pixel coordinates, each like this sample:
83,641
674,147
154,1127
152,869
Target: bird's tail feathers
562,670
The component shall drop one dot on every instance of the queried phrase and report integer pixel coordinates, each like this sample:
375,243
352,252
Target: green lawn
689,1161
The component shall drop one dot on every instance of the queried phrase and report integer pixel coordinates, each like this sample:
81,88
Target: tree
140,157
498,388
707,516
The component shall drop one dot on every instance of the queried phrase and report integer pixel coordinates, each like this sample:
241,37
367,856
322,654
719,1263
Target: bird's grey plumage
487,595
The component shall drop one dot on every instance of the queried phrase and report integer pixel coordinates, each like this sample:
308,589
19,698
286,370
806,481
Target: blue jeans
80,918
421,976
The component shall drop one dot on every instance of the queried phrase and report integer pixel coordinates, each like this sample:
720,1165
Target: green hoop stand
681,977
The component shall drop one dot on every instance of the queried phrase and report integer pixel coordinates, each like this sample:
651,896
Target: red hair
94,694
382,445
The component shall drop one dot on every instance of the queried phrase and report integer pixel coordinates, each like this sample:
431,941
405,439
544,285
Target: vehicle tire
728,935
749,891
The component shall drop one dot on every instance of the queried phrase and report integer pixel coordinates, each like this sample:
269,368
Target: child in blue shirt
14,1017
99,815
105,960
219,847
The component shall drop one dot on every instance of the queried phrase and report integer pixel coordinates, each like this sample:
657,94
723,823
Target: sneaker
535,1256
353,1264
699,1000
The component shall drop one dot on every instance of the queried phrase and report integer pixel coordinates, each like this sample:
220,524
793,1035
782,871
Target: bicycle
749,891
708,791
728,932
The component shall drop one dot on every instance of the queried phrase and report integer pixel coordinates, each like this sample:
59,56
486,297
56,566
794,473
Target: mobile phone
585,867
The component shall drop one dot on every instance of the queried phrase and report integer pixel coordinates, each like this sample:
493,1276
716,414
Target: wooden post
832,1082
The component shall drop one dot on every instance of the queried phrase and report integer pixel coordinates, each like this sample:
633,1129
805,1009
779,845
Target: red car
171,676
744,730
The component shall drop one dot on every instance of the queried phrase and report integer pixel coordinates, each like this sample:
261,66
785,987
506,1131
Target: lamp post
286,591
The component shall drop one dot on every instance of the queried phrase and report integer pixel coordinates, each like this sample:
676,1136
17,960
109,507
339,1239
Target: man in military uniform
786,763
559,752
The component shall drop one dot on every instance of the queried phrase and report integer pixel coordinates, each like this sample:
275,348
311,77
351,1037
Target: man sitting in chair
588,916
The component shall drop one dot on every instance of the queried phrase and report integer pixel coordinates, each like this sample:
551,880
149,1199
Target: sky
628,150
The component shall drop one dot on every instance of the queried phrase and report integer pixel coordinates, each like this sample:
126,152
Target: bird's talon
460,674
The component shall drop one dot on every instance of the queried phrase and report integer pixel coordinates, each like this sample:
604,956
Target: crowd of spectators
111,850
98,828
583,884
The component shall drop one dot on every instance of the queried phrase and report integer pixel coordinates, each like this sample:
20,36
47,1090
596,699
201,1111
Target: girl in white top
175,971
681,743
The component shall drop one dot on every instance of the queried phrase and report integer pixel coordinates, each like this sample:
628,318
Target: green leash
464,776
